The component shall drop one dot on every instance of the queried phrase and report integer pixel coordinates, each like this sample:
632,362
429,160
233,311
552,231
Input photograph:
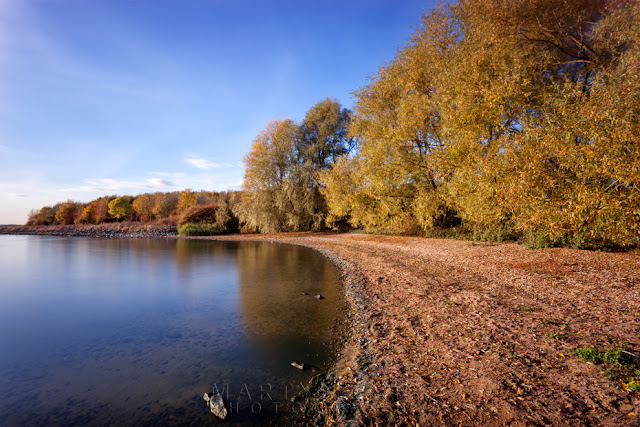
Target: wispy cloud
201,163
16,195
114,185
159,183
173,175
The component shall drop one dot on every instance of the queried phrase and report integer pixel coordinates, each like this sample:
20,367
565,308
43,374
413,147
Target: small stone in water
298,365
319,297
216,403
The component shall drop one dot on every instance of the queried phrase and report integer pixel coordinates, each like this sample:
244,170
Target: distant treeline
173,208
507,118
516,118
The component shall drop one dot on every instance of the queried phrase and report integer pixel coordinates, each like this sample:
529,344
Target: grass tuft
620,365
554,336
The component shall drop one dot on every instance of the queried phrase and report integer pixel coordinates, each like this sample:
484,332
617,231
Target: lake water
135,331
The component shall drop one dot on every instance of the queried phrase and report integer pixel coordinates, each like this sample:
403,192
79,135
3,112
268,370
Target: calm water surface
133,332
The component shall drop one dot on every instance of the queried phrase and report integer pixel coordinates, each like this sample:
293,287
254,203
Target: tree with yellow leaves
520,115
281,190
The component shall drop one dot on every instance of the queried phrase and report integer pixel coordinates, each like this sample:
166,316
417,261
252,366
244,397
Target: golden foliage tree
268,166
88,214
540,132
186,199
281,190
102,209
395,179
518,114
121,207
164,204
69,212
143,206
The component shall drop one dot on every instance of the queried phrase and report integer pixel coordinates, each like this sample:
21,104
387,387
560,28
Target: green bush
540,240
202,229
498,233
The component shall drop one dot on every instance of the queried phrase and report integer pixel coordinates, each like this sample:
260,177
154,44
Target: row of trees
519,115
146,207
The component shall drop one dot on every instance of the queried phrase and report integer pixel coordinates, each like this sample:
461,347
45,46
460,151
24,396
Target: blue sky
133,96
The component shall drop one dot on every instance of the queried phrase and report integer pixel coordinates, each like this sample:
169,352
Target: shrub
202,229
212,213
199,214
498,233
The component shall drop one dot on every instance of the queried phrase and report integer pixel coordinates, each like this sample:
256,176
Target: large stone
216,403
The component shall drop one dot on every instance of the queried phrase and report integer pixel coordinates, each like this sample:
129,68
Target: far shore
448,332
113,229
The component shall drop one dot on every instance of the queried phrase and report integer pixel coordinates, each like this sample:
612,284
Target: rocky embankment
104,230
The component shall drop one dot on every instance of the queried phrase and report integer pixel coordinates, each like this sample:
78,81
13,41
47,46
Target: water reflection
280,320
94,331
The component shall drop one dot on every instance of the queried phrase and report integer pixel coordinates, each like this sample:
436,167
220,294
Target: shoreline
446,332
109,230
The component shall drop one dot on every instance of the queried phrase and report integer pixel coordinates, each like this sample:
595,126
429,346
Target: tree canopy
121,207
522,115
281,190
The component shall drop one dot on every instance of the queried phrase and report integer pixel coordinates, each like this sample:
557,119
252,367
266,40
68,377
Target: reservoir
134,331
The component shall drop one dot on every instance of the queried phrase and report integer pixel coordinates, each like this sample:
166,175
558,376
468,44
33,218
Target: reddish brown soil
450,332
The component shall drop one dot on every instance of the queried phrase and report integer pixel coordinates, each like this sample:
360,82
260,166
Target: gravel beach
450,332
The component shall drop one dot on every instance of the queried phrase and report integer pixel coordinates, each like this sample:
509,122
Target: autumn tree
164,205
69,212
281,190
186,199
268,165
143,206
33,217
88,214
322,138
102,209
121,207
46,215
520,115
207,197
395,179
541,127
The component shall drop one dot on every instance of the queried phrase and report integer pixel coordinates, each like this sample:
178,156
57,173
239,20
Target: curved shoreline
448,332
322,400
451,332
